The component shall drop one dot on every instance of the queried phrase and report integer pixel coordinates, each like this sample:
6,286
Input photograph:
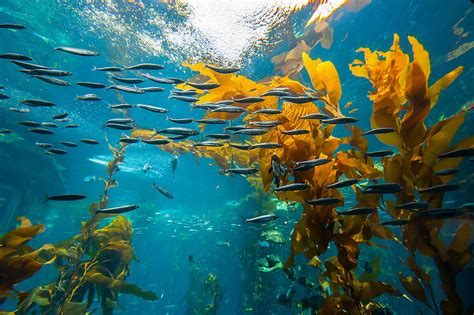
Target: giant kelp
94,263
402,100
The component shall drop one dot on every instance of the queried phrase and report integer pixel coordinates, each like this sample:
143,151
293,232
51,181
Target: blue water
207,206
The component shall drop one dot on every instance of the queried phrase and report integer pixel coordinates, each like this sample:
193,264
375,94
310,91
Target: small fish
299,99
229,109
12,26
19,110
344,183
53,81
43,145
49,124
163,191
109,69
223,70
441,213
121,106
188,92
267,145
251,132
29,123
293,187
70,126
156,141
279,93
340,120
378,131
146,167
395,222
118,210
49,72
249,100
239,146
156,79
77,51
69,144
302,166
89,141
60,116
183,98
208,144
14,56
146,66
129,140
92,85
236,128
5,131
318,116
4,96
438,188
128,80
414,205
29,66
295,132
119,121
211,121
153,109
266,123
263,244
203,86
179,131
465,152
241,171
223,244
88,97
220,136
385,188
262,218
380,153
127,89
323,201
38,103
119,126
191,259
180,120
56,151
174,164
206,106
41,131
151,89
267,111
72,197
447,171
356,211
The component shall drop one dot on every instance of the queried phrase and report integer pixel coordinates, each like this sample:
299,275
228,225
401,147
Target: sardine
413,205
340,120
56,151
119,126
151,89
88,97
447,171
66,197
49,72
77,51
267,111
293,187
92,85
229,109
249,100
203,86
163,191
180,120
89,141
302,166
179,131
157,80
380,153
183,98
378,131
118,210
324,201
127,89
356,211
153,109
189,92
29,66
299,99
129,140
53,81
208,144
266,123
241,171
319,116
267,145
295,132
211,121
395,222
44,145
222,70
146,66
156,141
128,80
41,131
262,218
38,103
385,188
14,56
220,136
438,188
12,26
276,93
30,123
251,132
70,126
240,146
109,69
464,152
69,144
121,106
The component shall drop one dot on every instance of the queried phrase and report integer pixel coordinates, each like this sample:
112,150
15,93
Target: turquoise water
207,207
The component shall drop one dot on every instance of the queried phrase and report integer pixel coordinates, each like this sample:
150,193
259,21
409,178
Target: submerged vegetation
289,152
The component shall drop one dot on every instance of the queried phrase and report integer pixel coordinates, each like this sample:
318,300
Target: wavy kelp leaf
440,136
458,250
119,286
289,63
21,235
76,308
348,253
420,56
414,287
338,304
367,291
442,84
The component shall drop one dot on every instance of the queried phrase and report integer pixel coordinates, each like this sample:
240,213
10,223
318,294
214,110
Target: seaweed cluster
204,293
93,264
402,100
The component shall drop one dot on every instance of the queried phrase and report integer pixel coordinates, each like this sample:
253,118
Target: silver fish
77,51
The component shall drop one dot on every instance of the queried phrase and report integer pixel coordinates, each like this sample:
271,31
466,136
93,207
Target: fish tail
47,199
